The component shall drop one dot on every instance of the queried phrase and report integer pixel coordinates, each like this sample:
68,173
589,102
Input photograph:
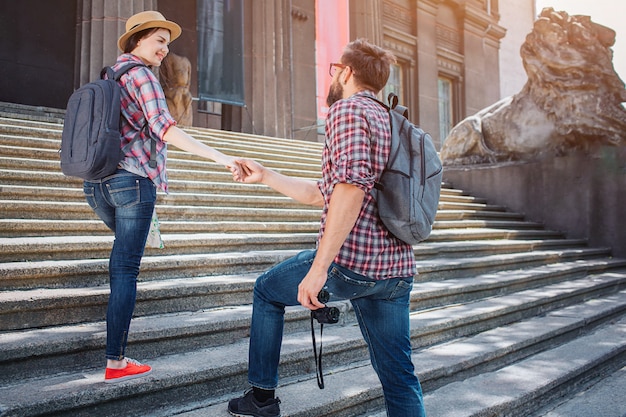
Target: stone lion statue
572,99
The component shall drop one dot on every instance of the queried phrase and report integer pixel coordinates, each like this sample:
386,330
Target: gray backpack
91,139
407,193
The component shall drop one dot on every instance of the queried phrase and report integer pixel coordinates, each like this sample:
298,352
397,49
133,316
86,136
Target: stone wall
581,194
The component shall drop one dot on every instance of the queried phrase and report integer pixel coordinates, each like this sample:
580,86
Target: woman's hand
231,163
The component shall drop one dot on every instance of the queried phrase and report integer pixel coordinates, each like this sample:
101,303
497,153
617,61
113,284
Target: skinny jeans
125,202
382,311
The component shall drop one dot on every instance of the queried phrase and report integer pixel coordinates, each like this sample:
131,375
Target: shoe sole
247,415
127,377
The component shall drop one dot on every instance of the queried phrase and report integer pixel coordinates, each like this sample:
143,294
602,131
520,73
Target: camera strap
318,360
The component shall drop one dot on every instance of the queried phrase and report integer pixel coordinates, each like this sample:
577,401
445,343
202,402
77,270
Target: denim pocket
401,289
125,193
344,286
90,196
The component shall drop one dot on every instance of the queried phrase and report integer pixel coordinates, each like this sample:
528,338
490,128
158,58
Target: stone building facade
447,50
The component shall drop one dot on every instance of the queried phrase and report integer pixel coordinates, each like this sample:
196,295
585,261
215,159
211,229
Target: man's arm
301,190
343,211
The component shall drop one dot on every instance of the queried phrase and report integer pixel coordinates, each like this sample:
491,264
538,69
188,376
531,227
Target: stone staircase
508,318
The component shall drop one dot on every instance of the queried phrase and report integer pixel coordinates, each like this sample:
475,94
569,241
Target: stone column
270,78
366,20
101,22
481,36
427,68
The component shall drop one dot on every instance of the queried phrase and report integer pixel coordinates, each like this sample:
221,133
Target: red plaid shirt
143,99
357,148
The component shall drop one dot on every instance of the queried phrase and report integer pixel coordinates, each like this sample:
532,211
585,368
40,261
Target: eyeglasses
333,66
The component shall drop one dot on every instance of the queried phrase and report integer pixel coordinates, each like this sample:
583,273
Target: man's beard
335,93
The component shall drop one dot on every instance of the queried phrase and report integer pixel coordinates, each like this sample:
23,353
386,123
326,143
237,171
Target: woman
125,200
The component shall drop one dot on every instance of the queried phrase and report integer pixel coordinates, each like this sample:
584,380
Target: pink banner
332,33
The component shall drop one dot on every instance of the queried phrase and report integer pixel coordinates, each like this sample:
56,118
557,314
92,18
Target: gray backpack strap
116,76
392,98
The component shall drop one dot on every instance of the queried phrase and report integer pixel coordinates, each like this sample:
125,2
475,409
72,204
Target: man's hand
310,287
249,172
343,210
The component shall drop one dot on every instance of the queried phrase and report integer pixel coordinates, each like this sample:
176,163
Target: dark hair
370,63
134,39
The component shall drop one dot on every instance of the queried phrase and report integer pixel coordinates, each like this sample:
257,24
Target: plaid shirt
143,99
356,151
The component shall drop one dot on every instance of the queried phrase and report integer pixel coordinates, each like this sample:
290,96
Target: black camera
328,315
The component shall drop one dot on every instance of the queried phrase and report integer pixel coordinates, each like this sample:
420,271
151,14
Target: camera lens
333,314
323,296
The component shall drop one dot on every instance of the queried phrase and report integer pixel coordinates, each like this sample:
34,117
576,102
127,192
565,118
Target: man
356,257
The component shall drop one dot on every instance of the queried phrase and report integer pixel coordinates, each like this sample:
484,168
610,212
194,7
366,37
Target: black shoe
248,406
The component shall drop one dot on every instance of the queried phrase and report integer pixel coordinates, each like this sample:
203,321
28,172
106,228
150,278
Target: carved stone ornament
572,99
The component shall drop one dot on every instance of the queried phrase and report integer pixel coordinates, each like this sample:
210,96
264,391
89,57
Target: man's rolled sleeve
350,150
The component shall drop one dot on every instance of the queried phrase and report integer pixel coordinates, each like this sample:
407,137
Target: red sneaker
133,369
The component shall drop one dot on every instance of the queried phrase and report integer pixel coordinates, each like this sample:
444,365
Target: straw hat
147,20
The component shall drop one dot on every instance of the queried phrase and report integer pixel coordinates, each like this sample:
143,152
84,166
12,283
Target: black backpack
407,193
91,140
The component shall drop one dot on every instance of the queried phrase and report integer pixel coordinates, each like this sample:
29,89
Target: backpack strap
379,102
392,98
113,75
377,184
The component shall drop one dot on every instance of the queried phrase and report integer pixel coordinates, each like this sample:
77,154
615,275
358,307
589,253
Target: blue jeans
382,310
125,202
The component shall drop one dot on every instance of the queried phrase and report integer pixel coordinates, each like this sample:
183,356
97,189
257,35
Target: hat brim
174,29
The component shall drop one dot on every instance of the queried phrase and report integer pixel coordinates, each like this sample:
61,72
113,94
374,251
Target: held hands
232,165
239,169
248,171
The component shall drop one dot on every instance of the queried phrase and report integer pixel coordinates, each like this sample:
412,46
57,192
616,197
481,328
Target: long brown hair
132,42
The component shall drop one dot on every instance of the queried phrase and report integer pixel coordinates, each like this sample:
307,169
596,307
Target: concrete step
171,209
49,160
604,398
444,230
19,140
275,153
93,272
50,130
537,380
222,197
184,169
220,194
443,268
93,247
180,316
579,376
476,231
221,183
14,209
494,291
199,382
41,307
31,114
38,228
60,247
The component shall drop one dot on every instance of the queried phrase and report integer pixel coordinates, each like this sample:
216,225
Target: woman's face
153,48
